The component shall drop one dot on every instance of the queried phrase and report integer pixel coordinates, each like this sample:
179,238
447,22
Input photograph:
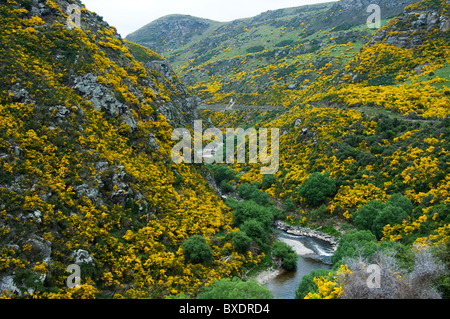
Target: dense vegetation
86,120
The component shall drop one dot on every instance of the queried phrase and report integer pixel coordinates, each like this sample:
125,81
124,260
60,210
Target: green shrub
255,49
251,192
268,181
286,254
223,173
235,288
284,43
27,4
244,211
241,242
196,250
391,215
317,188
246,191
401,201
385,79
289,205
226,187
365,216
25,279
256,230
375,214
354,244
320,212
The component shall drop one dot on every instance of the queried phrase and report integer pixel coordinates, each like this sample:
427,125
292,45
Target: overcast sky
129,15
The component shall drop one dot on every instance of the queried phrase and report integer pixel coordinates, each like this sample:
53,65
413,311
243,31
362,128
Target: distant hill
251,59
171,32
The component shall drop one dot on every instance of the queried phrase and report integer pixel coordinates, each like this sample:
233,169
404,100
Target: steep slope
86,175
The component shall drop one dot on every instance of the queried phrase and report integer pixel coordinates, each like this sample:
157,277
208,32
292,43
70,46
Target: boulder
82,256
7,284
40,247
444,25
103,98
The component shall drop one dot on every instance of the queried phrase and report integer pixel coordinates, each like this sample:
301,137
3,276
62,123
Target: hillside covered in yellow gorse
85,137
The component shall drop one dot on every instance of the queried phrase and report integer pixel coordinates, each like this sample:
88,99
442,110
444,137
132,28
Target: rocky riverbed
271,275
302,231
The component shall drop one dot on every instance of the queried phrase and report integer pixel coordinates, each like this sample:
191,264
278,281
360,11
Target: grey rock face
444,25
99,95
82,256
103,99
7,284
41,248
161,67
20,94
415,26
85,190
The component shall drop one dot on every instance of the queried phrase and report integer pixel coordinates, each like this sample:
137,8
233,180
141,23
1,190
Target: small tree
366,214
286,254
196,250
268,181
289,205
355,243
241,242
391,215
251,192
244,211
401,201
317,188
255,229
375,214
223,173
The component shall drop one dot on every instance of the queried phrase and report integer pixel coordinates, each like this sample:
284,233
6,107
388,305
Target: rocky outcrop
7,284
40,248
347,5
410,28
302,231
355,11
103,98
82,256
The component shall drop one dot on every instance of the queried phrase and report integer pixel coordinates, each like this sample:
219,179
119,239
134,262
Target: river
313,254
